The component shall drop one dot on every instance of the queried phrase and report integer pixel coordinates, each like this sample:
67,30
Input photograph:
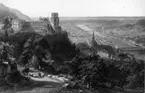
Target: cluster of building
16,26
42,26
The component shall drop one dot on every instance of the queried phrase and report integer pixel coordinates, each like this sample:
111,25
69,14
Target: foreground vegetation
56,54
88,69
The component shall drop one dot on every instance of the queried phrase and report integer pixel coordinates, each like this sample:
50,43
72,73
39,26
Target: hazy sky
35,8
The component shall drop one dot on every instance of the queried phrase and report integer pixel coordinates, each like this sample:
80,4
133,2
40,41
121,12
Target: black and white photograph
72,46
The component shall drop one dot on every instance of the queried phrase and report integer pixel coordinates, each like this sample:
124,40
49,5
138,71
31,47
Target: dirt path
38,85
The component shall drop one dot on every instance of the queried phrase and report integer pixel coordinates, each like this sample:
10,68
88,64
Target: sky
78,8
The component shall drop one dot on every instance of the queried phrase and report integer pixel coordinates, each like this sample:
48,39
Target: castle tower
55,19
55,22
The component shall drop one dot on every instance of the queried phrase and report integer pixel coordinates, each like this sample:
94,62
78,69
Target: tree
7,21
26,26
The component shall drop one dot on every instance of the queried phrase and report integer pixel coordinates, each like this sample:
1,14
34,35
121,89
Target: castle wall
16,24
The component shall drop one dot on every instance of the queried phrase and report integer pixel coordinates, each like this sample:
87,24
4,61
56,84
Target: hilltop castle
47,25
42,26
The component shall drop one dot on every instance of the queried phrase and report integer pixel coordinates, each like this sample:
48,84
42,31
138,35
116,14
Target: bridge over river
138,52
132,49
135,50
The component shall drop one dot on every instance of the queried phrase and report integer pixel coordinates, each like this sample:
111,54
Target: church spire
93,37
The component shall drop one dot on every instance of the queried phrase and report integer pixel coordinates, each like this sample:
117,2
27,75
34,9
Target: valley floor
108,39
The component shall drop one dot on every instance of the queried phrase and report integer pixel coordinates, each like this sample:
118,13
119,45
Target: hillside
5,11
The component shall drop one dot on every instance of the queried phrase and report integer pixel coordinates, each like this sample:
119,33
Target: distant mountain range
14,13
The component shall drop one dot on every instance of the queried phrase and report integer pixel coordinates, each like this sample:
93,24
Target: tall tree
7,21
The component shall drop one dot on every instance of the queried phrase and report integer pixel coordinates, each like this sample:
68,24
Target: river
103,38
